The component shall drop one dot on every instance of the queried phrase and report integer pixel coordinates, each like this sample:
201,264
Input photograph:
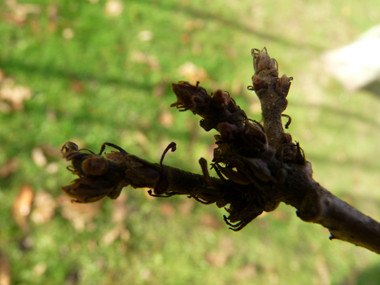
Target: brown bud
95,165
227,131
189,96
283,85
254,135
88,189
262,61
220,99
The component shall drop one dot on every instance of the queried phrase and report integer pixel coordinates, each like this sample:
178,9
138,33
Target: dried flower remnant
96,176
22,207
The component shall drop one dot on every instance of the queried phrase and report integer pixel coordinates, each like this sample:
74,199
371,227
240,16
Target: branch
259,166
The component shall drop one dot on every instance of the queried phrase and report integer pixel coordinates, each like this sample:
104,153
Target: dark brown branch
258,166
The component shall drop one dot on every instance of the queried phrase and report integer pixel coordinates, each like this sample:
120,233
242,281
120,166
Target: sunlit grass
97,78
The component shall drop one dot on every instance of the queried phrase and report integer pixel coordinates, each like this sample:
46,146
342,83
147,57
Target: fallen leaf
43,208
22,206
18,13
38,157
117,232
113,8
5,270
80,215
15,95
193,73
150,60
52,168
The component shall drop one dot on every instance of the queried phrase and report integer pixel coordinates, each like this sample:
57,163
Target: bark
259,166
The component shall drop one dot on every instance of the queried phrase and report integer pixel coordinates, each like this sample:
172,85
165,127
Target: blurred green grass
95,77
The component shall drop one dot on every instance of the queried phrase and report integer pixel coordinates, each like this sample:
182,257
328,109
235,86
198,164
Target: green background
97,76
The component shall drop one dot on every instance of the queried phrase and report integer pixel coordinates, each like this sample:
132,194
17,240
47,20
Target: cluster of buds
98,177
214,109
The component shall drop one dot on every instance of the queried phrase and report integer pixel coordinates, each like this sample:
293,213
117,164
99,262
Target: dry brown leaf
43,208
150,60
22,206
38,157
18,13
113,8
52,168
9,167
80,215
117,232
5,270
15,95
193,73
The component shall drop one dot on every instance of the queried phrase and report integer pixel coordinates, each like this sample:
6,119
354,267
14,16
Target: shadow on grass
341,112
54,72
207,16
369,276
374,88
